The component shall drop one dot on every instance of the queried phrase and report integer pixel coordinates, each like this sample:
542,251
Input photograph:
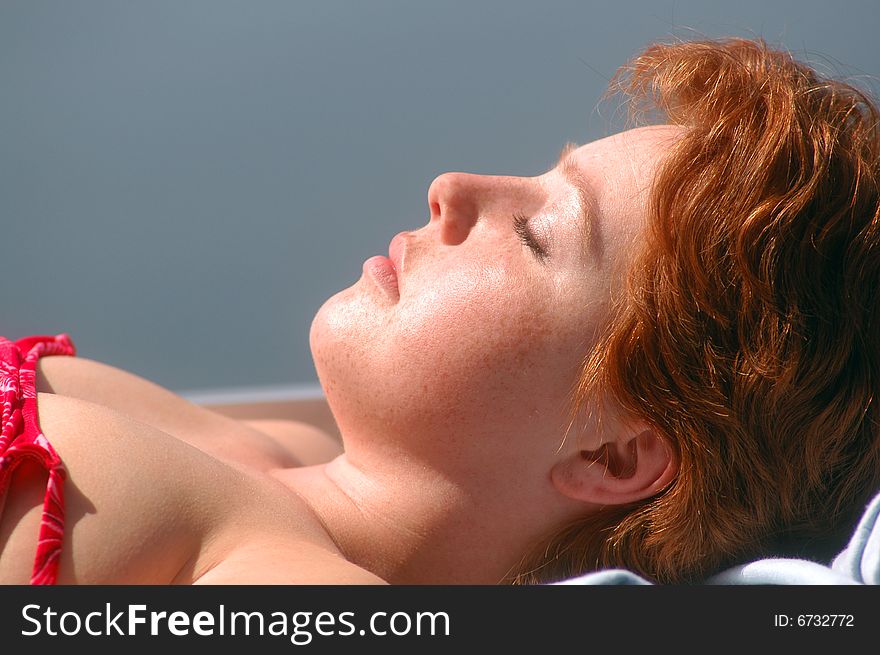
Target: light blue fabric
860,560
608,576
858,563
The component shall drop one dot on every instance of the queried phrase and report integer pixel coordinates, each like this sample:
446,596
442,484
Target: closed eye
527,237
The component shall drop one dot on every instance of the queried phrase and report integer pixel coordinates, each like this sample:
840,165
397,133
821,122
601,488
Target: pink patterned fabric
22,437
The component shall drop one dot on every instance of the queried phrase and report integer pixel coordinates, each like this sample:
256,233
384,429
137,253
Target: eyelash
521,227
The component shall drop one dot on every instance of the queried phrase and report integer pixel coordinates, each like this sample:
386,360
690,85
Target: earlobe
617,473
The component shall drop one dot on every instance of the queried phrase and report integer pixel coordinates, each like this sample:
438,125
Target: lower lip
381,269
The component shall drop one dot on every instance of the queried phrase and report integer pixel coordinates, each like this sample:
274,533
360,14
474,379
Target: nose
459,200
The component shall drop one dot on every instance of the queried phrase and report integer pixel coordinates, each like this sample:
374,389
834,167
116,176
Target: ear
619,472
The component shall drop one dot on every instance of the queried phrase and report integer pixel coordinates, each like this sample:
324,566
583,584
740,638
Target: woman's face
465,346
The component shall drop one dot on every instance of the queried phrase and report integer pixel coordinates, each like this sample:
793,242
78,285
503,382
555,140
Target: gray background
182,183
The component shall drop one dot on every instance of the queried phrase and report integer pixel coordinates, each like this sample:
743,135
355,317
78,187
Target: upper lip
397,251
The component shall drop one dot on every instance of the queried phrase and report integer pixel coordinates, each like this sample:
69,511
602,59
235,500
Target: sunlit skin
451,390
452,396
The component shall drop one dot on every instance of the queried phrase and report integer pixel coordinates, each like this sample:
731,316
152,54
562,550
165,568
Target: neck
408,524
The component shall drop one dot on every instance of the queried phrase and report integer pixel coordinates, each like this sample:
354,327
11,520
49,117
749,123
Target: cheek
463,351
493,350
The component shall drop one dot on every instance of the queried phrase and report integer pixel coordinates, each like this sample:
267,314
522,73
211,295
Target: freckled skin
472,369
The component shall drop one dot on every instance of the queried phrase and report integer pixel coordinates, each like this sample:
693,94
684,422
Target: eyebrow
587,206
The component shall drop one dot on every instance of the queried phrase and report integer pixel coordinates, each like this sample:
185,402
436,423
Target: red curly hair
749,332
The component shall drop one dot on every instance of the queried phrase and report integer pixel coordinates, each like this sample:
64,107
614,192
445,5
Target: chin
381,379
345,342
330,332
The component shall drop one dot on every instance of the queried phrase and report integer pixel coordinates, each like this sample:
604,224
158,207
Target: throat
407,526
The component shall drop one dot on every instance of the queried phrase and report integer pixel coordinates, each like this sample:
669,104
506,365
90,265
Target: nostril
434,207
453,233
454,200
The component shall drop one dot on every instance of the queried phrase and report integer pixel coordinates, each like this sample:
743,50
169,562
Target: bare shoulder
143,507
306,443
260,444
283,562
133,510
